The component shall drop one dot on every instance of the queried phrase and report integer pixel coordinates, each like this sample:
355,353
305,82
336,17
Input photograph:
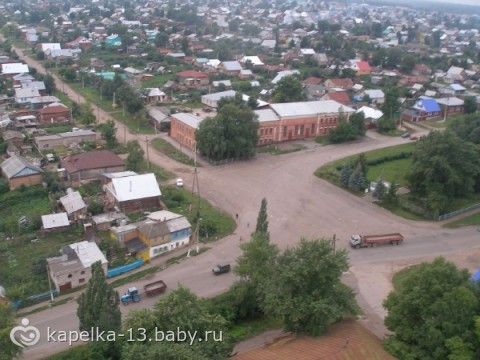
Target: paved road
299,205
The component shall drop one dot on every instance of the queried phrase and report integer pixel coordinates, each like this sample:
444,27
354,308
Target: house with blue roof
424,109
113,41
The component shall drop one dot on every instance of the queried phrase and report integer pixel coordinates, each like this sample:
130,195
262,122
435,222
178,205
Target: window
69,276
82,280
302,128
284,131
82,272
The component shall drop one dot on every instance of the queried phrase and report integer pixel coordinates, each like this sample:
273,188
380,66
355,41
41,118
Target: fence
34,299
458,212
119,270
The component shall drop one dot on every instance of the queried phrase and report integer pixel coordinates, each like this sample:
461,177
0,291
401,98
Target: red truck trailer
358,241
155,288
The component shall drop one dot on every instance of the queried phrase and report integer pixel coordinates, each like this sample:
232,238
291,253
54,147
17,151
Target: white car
179,182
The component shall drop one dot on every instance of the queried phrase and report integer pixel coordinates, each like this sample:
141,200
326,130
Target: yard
157,81
214,224
136,124
23,266
171,151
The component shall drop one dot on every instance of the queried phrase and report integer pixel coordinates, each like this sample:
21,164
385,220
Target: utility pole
148,153
49,283
333,242
196,191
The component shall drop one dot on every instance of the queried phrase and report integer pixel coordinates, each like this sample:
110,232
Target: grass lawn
466,221
161,173
390,170
57,129
171,151
249,328
215,223
157,80
279,150
136,125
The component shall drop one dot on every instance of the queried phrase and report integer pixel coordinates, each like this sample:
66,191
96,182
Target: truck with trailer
155,288
361,241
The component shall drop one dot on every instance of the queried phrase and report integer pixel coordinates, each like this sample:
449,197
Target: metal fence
34,299
119,270
458,212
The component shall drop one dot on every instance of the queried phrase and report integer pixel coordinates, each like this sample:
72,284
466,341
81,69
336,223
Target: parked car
179,182
405,135
413,137
221,269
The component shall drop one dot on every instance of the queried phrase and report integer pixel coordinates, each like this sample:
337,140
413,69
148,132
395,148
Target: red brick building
192,78
55,113
183,127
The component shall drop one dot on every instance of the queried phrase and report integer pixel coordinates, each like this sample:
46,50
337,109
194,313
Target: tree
306,291
161,39
262,220
98,306
391,105
432,312
257,259
135,156
357,181
386,125
443,167
408,63
7,322
380,190
288,89
108,131
85,114
391,196
342,133
49,84
345,174
357,120
231,134
180,308
470,104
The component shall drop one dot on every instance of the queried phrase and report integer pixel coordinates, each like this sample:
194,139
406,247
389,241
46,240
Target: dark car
221,269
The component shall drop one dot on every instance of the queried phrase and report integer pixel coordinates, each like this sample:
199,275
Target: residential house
73,268
281,74
159,117
370,114
54,113
361,67
376,96
133,193
73,205
451,106
253,60
192,78
67,139
231,67
12,69
113,41
20,172
424,109
155,95
91,165
183,127
455,73
128,236
164,231
339,96
339,83
55,222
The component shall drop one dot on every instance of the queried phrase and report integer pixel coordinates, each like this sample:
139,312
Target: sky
465,2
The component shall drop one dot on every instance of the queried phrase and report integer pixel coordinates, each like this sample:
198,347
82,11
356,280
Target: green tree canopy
7,322
108,131
432,313
288,89
231,134
306,291
135,156
443,167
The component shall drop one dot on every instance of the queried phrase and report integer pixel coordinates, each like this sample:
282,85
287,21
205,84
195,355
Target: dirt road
300,205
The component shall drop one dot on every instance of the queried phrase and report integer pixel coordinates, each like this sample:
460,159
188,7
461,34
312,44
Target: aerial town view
223,179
